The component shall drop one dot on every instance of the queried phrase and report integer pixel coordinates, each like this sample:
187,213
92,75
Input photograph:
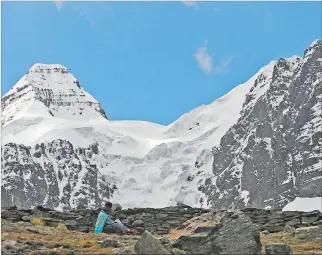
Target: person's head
108,206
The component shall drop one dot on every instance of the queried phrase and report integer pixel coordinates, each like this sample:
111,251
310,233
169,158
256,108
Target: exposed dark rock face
148,244
12,247
227,233
273,153
309,234
278,249
53,174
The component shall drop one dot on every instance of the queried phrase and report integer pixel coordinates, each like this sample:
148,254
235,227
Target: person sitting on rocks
106,224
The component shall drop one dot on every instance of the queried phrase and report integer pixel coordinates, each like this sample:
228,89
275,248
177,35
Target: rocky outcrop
12,247
55,174
273,153
277,249
127,250
222,233
272,221
289,230
309,234
148,244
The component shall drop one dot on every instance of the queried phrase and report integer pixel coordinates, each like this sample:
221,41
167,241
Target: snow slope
304,204
151,165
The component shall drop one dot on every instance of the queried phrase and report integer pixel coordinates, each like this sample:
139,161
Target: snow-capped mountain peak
49,90
40,68
315,47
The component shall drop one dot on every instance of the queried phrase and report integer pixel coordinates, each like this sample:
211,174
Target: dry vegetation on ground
58,240
51,240
298,247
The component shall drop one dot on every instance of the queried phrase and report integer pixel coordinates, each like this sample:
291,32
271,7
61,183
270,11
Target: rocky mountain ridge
273,153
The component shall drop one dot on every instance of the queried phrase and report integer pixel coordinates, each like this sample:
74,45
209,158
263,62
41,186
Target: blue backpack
102,219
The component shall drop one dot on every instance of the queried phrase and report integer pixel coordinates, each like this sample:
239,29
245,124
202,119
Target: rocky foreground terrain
205,232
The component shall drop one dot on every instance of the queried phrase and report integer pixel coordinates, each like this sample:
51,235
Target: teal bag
100,222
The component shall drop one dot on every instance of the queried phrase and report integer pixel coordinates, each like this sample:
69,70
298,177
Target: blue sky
154,61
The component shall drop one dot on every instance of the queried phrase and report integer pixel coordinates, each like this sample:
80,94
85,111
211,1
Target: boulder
309,234
33,230
62,215
71,223
127,250
273,228
116,207
26,218
131,219
51,222
41,230
195,243
277,249
138,223
108,242
237,235
289,229
309,219
166,243
139,230
293,222
12,247
148,244
227,233
291,214
176,251
265,232
315,213
10,215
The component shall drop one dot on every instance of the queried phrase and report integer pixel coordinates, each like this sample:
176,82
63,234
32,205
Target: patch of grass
86,243
37,221
297,246
62,227
96,251
310,246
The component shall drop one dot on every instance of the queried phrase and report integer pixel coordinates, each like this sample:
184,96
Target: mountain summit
49,90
